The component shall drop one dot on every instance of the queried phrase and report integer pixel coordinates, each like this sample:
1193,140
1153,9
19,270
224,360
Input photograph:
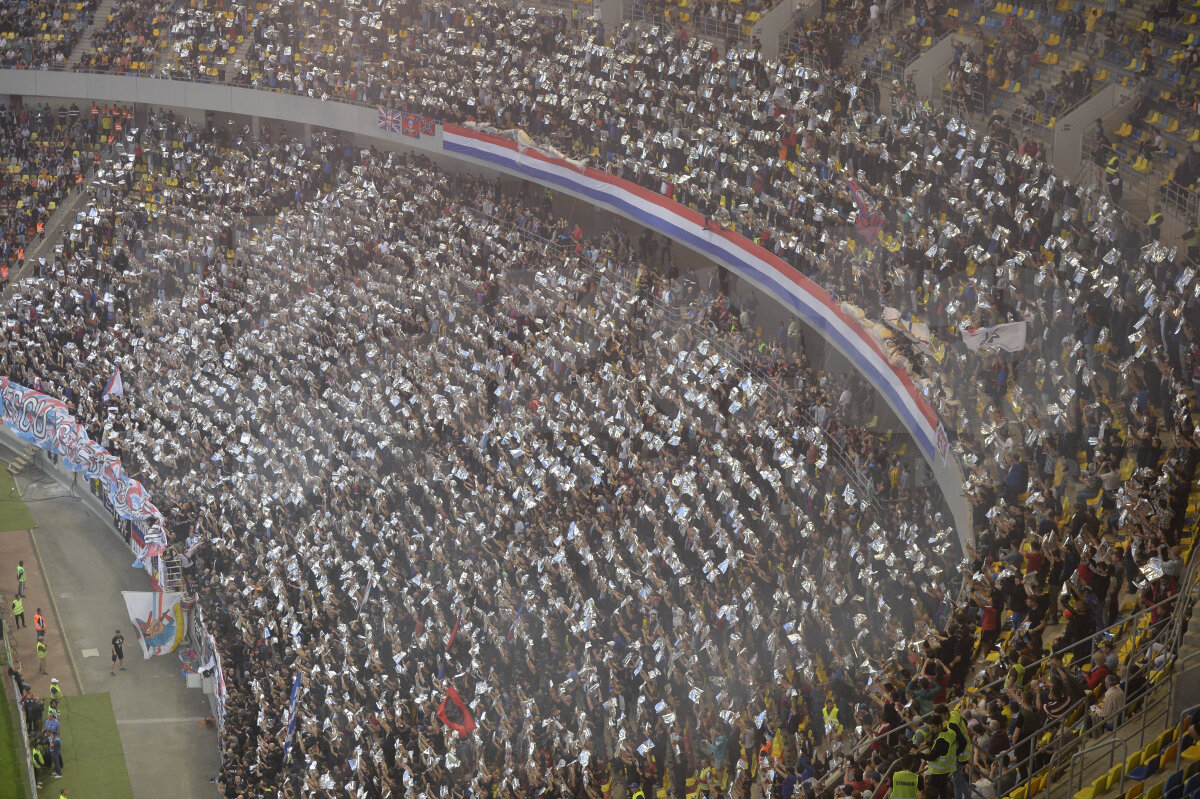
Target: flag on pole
454,713
513,630
453,633
869,224
115,387
291,725
367,591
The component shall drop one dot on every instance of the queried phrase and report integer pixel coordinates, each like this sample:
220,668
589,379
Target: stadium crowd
42,33
470,407
46,156
130,39
1092,414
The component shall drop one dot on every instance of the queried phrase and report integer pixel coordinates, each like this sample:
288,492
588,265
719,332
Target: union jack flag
389,120
869,224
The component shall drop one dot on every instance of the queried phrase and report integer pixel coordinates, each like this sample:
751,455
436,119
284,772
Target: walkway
168,749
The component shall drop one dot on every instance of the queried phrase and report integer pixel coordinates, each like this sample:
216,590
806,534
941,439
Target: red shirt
1096,676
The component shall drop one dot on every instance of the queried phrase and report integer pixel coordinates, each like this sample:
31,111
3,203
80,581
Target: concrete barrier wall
74,482
1070,130
771,24
930,64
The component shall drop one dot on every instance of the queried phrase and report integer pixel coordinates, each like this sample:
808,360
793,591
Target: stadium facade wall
771,24
762,269
1069,132
926,67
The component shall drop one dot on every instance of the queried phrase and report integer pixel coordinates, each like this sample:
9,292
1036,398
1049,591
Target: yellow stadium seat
1095,789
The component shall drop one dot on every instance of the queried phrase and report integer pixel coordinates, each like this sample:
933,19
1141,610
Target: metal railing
11,660
700,24
1110,746
1129,629
1146,708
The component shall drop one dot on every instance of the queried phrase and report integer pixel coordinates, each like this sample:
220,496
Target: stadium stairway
85,43
44,246
239,55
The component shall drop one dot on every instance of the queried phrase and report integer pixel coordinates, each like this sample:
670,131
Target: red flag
455,715
453,633
410,125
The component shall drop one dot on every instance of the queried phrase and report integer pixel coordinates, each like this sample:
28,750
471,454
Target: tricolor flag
454,713
869,224
115,387
389,120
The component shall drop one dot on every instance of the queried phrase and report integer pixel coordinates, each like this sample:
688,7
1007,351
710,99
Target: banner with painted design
46,422
159,620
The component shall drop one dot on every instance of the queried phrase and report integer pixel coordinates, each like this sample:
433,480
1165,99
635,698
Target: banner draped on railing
159,620
46,422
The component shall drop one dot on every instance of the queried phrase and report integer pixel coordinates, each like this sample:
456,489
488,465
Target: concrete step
43,246
240,56
98,22
23,460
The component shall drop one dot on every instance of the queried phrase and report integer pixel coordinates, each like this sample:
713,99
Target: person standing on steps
20,578
118,653
18,608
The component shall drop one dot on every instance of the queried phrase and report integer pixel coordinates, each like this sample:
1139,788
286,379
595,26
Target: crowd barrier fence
11,661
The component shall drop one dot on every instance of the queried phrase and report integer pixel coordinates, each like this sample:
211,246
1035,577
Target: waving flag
115,387
291,725
1008,337
513,630
869,224
389,120
453,633
454,713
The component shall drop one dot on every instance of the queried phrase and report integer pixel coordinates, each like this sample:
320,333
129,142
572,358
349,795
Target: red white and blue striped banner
786,284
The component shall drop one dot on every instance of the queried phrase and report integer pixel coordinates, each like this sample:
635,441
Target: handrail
1152,690
1036,666
1109,743
26,758
1183,598
887,775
